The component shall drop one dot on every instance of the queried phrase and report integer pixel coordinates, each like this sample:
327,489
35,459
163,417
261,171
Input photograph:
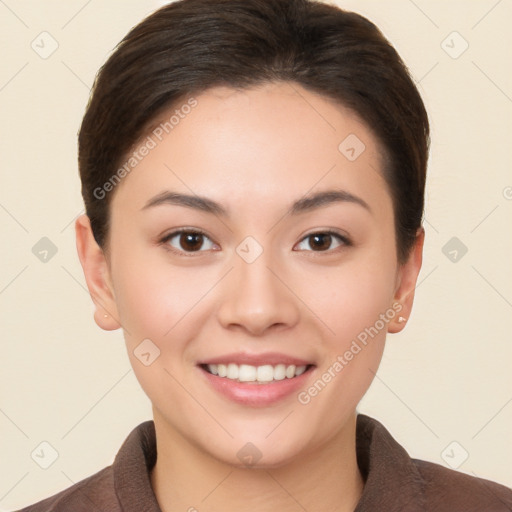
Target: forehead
252,147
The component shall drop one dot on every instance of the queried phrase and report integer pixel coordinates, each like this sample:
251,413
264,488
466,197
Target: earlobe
97,275
406,284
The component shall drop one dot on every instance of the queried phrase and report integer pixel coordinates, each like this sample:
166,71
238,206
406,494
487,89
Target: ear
407,277
97,275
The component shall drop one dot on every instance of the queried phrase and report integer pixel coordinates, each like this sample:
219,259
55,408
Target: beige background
445,378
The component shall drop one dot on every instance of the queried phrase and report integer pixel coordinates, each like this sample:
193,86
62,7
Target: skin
255,152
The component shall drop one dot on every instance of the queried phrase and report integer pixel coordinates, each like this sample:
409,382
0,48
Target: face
279,268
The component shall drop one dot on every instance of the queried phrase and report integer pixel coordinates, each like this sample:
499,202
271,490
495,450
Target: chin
257,452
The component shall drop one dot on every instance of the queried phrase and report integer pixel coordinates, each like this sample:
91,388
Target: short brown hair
189,46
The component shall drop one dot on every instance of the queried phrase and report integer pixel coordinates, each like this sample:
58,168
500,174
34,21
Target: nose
257,298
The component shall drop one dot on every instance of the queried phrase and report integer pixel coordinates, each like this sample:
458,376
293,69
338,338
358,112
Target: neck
326,479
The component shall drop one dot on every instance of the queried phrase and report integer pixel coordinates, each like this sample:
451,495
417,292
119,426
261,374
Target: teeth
279,372
221,369
300,370
233,371
290,371
249,373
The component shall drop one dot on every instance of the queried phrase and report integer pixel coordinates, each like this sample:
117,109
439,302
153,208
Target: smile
257,374
263,385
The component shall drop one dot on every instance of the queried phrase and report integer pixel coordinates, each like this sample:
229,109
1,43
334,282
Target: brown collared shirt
393,480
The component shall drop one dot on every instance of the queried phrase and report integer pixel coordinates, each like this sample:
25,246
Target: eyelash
164,241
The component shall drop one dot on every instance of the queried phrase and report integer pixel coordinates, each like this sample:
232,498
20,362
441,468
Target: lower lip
256,394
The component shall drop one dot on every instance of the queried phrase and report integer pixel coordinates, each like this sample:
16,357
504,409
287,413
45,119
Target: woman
253,173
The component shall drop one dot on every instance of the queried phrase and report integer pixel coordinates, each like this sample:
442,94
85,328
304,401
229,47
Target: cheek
349,297
353,301
157,305
153,296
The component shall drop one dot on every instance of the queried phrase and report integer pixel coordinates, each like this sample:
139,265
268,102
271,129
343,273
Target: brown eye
187,241
322,241
191,241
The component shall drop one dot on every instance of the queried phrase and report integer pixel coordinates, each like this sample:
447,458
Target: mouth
256,381
263,374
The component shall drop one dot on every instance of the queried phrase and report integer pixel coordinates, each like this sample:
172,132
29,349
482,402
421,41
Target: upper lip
272,358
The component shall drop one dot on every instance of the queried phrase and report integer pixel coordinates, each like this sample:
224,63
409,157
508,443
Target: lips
256,380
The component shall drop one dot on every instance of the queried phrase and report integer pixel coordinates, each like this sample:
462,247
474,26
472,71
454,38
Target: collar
132,466
392,480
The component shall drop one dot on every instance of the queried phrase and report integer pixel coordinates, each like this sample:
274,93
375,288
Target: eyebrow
303,205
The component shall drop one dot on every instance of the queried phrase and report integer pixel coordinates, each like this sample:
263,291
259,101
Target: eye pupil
191,241
322,241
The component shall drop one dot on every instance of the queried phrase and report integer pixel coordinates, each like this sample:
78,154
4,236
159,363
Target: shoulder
395,482
447,489
124,485
95,492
